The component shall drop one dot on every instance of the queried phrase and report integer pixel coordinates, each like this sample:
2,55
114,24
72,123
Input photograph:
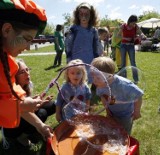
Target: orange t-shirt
5,91
9,105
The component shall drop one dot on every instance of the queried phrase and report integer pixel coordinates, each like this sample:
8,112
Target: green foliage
49,29
67,18
149,14
112,23
146,129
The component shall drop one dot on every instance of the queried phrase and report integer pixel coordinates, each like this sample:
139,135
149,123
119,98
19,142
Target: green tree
49,29
67,18
148,14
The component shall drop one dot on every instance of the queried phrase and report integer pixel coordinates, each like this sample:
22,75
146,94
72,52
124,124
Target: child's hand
136,115
105,53
30,105
109,114
58,118
59,48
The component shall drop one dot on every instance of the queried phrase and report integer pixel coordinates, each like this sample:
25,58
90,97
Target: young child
103,33
83,38
121,97
75,87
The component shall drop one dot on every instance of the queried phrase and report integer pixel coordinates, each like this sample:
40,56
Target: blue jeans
131,52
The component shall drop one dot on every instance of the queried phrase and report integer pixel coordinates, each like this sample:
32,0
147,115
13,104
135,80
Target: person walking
59,45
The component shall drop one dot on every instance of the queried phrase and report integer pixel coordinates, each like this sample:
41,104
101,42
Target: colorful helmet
23,11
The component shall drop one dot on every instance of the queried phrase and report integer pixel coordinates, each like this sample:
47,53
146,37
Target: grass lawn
146,129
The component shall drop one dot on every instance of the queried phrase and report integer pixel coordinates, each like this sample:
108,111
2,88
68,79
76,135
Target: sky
114,9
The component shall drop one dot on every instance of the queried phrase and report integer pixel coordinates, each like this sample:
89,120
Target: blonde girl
74,87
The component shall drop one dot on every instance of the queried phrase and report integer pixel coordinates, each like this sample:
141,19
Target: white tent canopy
150,23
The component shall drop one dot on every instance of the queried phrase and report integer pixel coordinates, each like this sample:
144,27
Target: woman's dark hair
93,21
132,18
59,27
4,61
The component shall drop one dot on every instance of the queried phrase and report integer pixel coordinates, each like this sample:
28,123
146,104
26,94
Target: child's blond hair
104,64
80,67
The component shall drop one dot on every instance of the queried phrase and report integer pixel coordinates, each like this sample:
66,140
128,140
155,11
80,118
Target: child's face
75,75
84,15
103,36
98,79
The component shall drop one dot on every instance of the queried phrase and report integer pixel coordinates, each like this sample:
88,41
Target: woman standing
129,34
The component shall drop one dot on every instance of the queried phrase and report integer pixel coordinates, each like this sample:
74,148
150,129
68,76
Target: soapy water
74,108
100,135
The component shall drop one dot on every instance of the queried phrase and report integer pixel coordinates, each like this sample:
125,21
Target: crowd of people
84,43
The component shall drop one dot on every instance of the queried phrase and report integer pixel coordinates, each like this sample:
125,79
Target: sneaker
135,82
35,138
60,65
54,66
24,141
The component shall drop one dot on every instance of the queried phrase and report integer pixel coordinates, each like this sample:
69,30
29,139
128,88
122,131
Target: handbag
137,41
9,113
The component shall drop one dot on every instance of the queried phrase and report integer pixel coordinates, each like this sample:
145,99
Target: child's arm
88,105
137,108
109,114
58,114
